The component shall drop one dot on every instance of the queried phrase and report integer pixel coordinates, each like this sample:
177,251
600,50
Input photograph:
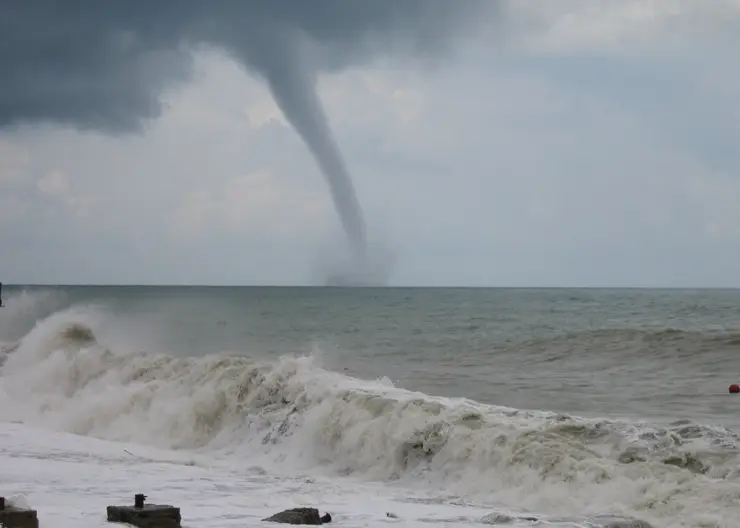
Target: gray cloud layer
104,65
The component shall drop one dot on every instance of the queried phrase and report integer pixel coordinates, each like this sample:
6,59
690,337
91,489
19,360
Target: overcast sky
569,143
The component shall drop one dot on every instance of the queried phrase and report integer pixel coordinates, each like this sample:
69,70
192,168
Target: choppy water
558,406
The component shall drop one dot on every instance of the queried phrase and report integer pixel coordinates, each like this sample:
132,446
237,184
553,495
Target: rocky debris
300,516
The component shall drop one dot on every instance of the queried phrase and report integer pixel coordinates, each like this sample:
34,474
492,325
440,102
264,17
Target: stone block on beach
13,517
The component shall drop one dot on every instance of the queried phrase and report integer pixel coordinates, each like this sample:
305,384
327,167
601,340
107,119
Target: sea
415,407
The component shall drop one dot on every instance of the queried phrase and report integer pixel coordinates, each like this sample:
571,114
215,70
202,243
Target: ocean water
415,407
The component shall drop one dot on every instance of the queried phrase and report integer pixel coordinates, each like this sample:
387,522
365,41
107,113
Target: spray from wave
60,375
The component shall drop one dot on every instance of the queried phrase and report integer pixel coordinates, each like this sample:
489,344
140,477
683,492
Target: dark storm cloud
104,65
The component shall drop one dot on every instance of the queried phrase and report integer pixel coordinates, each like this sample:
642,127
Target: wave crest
59,375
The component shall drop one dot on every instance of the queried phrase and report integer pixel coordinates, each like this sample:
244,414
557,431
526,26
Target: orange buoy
734,388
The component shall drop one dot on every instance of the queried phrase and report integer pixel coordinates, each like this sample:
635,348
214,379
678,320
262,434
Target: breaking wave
59,375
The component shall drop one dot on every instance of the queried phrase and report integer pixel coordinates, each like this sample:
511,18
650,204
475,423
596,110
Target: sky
520,143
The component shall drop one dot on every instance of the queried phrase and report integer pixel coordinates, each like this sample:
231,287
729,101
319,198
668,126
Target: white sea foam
356,448
70,480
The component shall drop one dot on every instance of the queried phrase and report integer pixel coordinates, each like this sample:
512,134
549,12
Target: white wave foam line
60,475
294,412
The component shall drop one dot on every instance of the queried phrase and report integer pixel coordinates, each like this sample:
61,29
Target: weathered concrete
11,517
145,515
